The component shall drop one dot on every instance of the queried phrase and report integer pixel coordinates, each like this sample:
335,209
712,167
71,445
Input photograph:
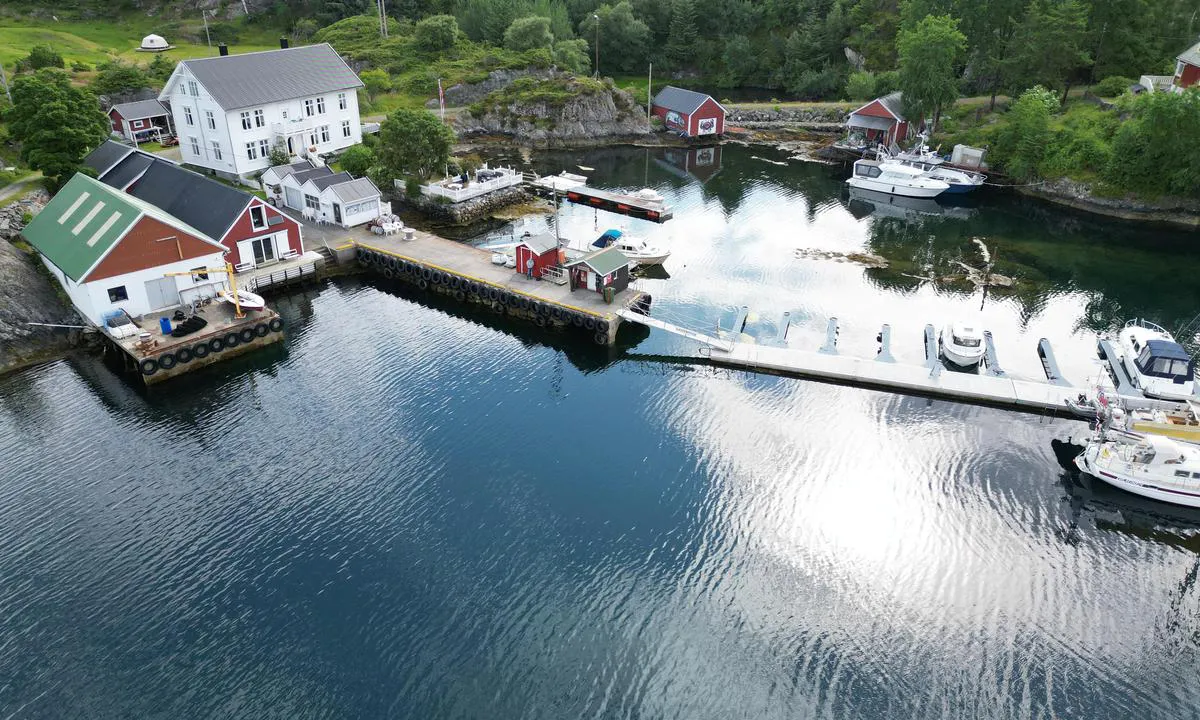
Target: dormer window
258,218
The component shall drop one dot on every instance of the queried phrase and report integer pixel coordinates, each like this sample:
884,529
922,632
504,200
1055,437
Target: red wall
144,247
1189,77
116,120
547,259
709,109
243,230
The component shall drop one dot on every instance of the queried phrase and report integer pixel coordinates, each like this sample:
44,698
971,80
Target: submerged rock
869,260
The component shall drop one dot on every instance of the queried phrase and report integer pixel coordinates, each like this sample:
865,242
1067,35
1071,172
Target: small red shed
1187,68
689,113
881,120
142,120
542,249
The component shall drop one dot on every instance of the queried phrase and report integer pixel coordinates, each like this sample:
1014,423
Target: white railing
474,189
291,126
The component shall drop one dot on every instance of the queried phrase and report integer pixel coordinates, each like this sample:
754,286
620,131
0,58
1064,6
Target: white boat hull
959,358
1144,486
893,189
649,259
247,300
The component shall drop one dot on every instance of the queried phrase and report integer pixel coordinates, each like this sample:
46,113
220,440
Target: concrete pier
467,273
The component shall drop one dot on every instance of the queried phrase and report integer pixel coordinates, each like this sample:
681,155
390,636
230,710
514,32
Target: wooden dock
631,205
433,263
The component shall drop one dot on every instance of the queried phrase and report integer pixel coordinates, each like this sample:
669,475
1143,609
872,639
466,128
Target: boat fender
364,259
453,281
232,340
514,300
261,330
166,361
426,273
590,323
394,263
459,295
494,293
148,367
276,324
199,350
388,274
602,326
246,334
216,345
497,307
183,356
540,320
601,338
577,319
422,283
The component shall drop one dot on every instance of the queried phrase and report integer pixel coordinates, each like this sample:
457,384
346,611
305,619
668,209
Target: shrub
43,56
860,86
436,33
1021,145
279,154
412,187
80,67
528,33
1112,86
357,159
887,82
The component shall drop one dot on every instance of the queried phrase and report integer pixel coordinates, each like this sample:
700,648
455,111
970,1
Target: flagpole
441,100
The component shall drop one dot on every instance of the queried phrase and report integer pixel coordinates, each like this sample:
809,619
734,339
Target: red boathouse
882,120
689,113
542,249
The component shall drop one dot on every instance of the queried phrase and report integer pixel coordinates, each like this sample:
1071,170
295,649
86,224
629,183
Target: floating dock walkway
467,273
631,205
992,386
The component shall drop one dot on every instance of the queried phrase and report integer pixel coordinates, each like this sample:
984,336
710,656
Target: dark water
412,511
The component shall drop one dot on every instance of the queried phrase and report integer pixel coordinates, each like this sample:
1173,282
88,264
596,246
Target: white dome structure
154,43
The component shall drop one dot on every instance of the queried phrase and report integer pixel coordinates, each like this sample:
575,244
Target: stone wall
468,211
825,117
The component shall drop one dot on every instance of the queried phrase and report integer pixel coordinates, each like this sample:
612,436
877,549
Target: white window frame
324,130
187,116
245,115
312,139
210,119
321,105
262,213
346,128
308,108
342,101
194,88
216,150
264,148
252,150
195,143
312,201
260,120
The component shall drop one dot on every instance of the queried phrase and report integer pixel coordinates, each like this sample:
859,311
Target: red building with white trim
689,113
882,120
542,249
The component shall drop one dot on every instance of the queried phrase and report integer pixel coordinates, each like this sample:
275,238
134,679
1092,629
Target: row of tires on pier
212,346
499,299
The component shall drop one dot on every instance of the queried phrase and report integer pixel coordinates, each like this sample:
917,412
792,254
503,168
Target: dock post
989,351
781,336
885,345
932,353
831,336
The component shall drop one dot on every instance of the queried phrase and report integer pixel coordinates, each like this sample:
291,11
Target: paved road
19,188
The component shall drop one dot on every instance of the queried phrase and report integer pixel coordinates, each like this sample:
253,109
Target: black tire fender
276,324
232,340
602,326
422,283
148,367
261,330
388,273
183,356
589,322
199,350
166,361
577,319
216,345
601,338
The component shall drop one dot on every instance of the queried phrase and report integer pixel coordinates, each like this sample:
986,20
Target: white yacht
1151,466
895,179
633,247
1156,364
921,157
962,344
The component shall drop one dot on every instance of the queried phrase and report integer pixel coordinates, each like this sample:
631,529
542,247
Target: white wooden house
320,194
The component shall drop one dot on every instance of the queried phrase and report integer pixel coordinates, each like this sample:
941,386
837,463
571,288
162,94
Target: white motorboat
1148,465
921,157
633,247
962,344
246,299
1156,364
894,178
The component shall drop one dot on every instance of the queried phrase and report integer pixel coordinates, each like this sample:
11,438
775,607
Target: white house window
312,201
246,120
137,124
251,151
312,139
117,294
308,108
192,87
187,116
264,148
320,106
258,217
360,207
341,101
345,128
283,112
210,120
195,146
324,133
259,120
216,150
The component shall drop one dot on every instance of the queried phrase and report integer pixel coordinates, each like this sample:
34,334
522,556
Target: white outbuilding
154,43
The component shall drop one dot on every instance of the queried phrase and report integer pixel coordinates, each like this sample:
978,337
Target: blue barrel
165,325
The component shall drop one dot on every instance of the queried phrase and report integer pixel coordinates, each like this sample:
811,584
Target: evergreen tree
681,45
1047,46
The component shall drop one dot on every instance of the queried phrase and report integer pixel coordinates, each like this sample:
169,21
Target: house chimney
283,43
223,49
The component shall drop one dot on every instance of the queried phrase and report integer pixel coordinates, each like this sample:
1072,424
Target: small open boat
247,299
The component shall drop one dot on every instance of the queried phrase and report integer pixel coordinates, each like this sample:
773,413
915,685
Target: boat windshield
964,341
1165,359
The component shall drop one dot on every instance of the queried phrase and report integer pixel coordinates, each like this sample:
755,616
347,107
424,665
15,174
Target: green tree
1047,46
1148,155
160,68
874,26
375,82
741,63
357,159
56,124
304,28
861,86
278,155
572,56
529,33
681,43
117,77
44,56
624,35
413,143
1021,144
436,33
928,54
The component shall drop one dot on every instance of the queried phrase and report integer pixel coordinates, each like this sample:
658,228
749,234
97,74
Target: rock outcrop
28,294
467,93
557,110
814,118
1178,212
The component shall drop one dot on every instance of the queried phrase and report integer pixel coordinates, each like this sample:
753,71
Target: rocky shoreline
1174,212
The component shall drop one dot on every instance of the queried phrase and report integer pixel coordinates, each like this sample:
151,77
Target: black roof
128,170
327,180
303,175
104,157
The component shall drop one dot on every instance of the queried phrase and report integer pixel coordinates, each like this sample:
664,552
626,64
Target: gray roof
302,176
258,78
129,169
1191,56
104,157
894,102
603,262
355,190
140,109
680,100
324,181
282,171
540,243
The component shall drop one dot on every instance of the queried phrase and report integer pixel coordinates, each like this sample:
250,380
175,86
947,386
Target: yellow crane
233,291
